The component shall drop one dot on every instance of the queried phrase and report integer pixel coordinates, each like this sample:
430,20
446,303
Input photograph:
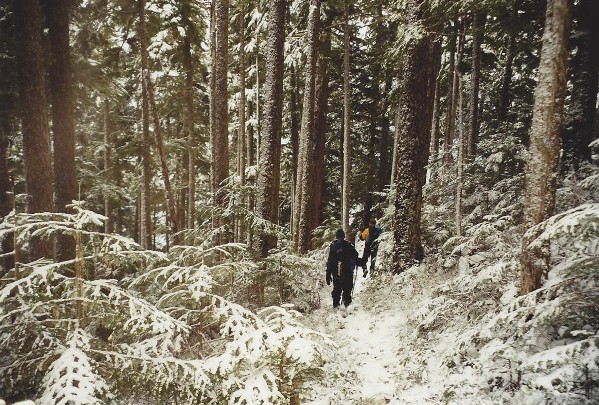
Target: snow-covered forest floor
374,361
455,331
363,368
450,330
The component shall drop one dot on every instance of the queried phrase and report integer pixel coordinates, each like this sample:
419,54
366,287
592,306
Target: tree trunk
145,207
6,192
542,166
34,118
346,123
251,160
258,115
269,176
63,121
219,117
395,148
454,92
504,94
433,70
171,206
579,128
413,135
305,174
373,112
321,99
449,123
435,131
384,33
478,27
108,202
189,117
462,148
370,185
8,113
294,128
241,133
385,144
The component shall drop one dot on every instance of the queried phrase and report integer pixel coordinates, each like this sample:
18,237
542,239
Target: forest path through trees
365,367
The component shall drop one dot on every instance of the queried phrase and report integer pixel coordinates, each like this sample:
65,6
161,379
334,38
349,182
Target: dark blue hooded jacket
344,252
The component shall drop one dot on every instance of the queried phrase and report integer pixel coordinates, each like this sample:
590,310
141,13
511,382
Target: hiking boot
365,273
344,311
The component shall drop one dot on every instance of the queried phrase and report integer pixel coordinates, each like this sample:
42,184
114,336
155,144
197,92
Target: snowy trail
363,370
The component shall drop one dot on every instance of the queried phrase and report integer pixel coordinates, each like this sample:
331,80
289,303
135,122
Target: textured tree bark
63,121
6,192
478,27
219,117
145,208
346,123
251,160
108,203
462,149
449,124
386,142
295,129
321,102
395,148
385,146
8,116
257,100
543,159
241,134
190,115
459,56
435,130
321,95
34,118
413,144
269,176
433,70
579,128
302,231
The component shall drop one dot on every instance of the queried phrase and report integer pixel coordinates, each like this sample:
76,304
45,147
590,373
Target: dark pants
370,250
342,286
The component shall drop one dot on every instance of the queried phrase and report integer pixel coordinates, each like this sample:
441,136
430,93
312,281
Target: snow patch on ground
364,367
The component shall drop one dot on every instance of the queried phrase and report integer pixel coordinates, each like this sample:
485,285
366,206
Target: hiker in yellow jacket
371,247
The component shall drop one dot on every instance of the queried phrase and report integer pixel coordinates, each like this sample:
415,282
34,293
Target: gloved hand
329,277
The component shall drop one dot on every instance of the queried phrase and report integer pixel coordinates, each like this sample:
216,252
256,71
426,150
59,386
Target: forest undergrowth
123,325
468,337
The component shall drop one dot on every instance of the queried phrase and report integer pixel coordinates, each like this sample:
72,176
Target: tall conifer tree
34,117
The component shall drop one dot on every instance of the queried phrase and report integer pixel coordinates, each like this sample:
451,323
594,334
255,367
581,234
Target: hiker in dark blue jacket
371,247
340,270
